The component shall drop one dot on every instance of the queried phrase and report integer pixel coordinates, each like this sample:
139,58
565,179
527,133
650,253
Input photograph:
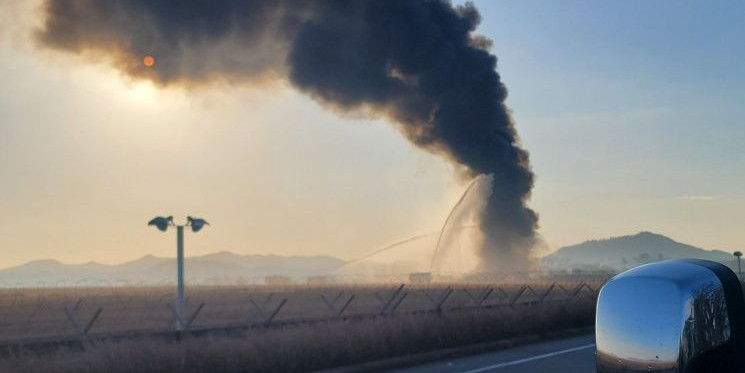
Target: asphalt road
571,355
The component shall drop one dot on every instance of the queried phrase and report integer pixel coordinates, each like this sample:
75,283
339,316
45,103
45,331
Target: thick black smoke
415,62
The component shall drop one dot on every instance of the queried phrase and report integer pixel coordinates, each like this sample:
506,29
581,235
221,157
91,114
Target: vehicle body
671,316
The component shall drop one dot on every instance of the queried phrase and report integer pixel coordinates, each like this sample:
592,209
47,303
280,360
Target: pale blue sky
632,111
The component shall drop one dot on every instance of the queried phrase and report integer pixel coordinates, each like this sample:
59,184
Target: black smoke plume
415,62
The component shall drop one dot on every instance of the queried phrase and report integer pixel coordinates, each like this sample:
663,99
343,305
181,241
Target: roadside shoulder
456,352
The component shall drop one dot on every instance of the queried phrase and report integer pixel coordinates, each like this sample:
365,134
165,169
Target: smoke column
415,62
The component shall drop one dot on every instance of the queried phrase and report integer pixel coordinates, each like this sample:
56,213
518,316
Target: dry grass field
34,314
318,327
309,347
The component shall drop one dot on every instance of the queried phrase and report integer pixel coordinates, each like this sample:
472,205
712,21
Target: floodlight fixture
162,223
196,224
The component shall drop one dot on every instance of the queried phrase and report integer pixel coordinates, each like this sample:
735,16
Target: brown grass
311,347
30,314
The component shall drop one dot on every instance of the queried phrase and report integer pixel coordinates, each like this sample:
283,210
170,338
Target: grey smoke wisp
415,62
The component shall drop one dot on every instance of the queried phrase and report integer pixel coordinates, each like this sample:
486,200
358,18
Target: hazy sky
632,112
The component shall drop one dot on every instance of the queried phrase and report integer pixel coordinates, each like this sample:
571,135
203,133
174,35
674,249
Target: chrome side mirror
672,316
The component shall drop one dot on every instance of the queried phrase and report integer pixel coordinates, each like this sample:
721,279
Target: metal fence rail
63,315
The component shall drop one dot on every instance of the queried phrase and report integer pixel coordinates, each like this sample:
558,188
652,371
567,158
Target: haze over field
222,267
609,255
622,137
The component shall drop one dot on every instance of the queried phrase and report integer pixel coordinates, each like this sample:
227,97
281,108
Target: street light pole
196,224
180,275
738,254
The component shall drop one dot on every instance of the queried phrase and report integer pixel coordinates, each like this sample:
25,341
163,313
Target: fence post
486,295
504,293
547,292
276,311
530,289
72,320
392,298
579,288
401,299
341,311
481,297
338,296
267,299
268,319
194,316
332,304
82,332
258,308
444,297
328,304
93,321
473,299
517,295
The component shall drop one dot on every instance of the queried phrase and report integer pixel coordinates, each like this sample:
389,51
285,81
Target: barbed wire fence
47,315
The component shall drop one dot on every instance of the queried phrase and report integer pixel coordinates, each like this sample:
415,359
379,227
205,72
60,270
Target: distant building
320,280
420,278
277,280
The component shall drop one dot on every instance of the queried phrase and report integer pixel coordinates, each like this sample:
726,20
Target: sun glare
143,92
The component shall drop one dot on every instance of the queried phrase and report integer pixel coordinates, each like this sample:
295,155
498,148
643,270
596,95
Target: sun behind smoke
148,61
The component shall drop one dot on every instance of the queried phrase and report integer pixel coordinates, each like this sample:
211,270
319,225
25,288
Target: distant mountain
619,253
217,267
612,254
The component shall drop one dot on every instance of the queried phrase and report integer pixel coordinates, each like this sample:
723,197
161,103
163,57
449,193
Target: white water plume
453,250
457,248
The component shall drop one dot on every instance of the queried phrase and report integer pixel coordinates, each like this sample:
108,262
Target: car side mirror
672,316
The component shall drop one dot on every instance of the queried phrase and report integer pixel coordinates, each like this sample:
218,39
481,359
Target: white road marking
529,359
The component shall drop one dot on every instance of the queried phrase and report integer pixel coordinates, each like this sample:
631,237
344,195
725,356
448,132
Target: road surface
571,355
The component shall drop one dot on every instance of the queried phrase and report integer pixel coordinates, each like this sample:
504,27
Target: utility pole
180,275
196,224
